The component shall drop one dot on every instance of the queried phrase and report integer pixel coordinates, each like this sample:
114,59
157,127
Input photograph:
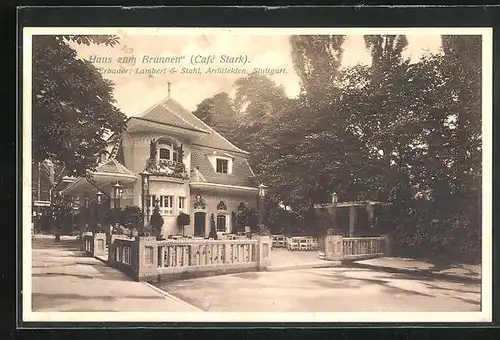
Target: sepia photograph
257,175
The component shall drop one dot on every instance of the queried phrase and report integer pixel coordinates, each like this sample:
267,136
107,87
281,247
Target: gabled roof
112,166
241,175
162,113
170,112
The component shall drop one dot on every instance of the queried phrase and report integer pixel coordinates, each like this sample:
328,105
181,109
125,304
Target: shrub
183,219
132,217
113,216
213,230
157,221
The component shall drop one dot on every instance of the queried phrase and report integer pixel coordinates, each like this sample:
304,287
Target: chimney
168,89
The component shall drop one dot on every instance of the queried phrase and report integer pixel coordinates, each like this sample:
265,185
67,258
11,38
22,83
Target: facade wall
212,199
136,152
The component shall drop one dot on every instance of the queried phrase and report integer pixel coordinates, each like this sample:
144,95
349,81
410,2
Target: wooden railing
362,247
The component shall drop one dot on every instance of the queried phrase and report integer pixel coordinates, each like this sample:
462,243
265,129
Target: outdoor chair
278,241
303,244
281,241
292,243
275,240
314,244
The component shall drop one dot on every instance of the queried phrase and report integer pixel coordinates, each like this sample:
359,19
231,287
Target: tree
61,212
317,59
213,230
386,51
114,216
463,71
183,220
157,221
257,101
73,105
132,217
218,113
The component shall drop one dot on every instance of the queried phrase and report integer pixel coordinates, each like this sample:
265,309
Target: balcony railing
168,168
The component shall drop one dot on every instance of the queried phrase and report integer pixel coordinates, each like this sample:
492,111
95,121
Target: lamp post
262,195
334,210
145,196
117,194
334,198
87,213
98,212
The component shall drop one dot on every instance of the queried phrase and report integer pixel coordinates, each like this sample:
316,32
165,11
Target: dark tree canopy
73,105
406,133
317,59
218,113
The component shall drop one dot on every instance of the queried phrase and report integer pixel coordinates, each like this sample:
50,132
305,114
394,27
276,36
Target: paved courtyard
65,280
325,290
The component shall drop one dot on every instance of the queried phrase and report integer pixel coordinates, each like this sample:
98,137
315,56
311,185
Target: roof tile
112,166
241,175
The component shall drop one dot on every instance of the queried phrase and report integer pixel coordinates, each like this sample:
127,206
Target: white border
411,317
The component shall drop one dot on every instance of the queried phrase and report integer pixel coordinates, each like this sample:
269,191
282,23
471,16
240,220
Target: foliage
316,60
61,212
167,168
183,219
217,111
234,222
73,105
213,230
401,132
247,217
113,216
132,217
263,230
326,222
157,221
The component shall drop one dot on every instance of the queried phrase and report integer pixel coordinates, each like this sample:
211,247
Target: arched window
169,150
221,206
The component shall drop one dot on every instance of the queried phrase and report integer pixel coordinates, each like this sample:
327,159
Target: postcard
257,174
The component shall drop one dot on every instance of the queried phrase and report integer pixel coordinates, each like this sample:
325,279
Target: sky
134,93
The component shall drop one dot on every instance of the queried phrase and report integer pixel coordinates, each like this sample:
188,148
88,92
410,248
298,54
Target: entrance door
199,224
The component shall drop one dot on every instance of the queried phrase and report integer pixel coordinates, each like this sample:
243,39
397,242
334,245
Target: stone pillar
112,251
333,248
99,244
387,245
147,255
263,252
82,241
352,220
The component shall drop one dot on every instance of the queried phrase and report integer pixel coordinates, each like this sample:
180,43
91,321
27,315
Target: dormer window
222,165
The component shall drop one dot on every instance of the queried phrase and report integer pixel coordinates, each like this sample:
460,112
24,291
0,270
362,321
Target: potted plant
183,220
157,222
263,230
213,230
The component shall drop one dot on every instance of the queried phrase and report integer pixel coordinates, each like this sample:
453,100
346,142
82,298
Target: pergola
352,206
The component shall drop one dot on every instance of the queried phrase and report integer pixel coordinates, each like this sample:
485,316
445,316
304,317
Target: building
192,170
